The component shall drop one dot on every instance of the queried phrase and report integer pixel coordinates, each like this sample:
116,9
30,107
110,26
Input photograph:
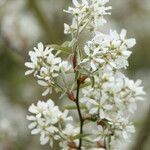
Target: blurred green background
24,23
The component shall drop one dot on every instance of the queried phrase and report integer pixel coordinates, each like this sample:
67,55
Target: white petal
36,131
40,46
46,92
123,34
75,2
52,129
102,114
33,109
29,72
31,118
93,111
125,135
32,125
126,53
86,50
130,42
93,65
108,107
42,83
92,101
29,65
85,2
44,140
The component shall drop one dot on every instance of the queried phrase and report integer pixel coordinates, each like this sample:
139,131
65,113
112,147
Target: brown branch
80,115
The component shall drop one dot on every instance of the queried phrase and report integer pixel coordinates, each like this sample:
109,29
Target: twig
80,115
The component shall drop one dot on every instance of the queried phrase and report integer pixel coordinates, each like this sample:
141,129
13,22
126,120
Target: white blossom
43,61
44,119
46,67
69,133
109,51
107,97
92,57
87,13
65,66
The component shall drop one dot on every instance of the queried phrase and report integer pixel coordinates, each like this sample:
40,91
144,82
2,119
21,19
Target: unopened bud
72,145
82,79
102,122
71,96
100,144
74,61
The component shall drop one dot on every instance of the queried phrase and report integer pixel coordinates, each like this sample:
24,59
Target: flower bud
72,145
74,61
82,79
71,96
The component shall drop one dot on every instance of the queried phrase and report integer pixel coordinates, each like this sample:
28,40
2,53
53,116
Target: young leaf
74,107
77,75
61,48
93,81
66,44
81,136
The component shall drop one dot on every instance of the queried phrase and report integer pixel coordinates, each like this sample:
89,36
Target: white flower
38,53
65,66
89,14
92,57
95,103
44,119
70,130
124,128
112,99
100,133
69,133
47,85
42,58
45,64
128,42
135,87
100,11
108,51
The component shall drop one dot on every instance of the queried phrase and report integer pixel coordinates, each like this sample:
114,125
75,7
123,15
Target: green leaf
74,40
77,75
93,81
71,107
85,85
66,44
87,140
74,107
81,136
61,48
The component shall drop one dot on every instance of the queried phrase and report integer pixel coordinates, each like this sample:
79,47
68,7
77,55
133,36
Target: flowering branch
105,97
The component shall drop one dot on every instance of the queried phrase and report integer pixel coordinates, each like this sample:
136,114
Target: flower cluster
47,120
87,14
109,51
105,97
112,99
69,133
46,67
